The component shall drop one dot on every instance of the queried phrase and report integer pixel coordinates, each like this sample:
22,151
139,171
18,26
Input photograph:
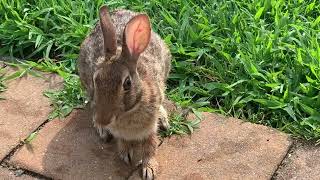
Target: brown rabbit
123,66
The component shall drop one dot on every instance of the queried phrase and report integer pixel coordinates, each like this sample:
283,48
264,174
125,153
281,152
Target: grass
180,125
2,85
70,97
257,60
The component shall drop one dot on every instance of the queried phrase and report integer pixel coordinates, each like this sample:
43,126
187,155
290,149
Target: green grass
72,96
39,28
2,85
180,125
257,60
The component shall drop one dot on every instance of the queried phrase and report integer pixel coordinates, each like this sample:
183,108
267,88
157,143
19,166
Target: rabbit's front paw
163,119
144,173
104,134
147,173
149,169
126,156
126,151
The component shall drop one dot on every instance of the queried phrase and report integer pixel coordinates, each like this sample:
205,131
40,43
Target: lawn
2,85
257,60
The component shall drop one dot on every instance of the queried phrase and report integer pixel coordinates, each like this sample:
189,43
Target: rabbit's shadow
76,152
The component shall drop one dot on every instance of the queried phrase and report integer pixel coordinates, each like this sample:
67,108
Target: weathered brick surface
23,110
71,149
8,175
303,163
223,148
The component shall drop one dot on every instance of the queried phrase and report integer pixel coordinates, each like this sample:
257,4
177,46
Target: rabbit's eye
127,84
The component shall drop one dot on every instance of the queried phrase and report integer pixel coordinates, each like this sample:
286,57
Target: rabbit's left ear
108,31
137,35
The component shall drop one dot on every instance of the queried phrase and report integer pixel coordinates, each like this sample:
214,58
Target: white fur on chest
134,126
129,132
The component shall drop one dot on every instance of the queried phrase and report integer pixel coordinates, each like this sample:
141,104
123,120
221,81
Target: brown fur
131,117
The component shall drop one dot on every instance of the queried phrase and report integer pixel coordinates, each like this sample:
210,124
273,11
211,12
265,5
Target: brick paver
8,175
71,149
24,109
223,148
303,163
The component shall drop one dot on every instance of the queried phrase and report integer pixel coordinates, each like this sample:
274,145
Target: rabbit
123,66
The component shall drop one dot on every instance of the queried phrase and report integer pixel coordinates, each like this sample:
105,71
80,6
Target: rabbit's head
117,86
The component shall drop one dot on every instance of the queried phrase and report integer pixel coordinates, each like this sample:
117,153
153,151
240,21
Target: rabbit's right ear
136,37
108,31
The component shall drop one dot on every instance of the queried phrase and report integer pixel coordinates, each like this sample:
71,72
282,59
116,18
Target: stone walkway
223,148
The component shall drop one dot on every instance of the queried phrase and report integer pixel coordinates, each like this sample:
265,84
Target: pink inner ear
138,32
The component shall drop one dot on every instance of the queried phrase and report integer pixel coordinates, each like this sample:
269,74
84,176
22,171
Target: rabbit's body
154,62
123,68
153,68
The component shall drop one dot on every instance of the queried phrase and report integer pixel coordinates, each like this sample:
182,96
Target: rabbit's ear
137,35
108,31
